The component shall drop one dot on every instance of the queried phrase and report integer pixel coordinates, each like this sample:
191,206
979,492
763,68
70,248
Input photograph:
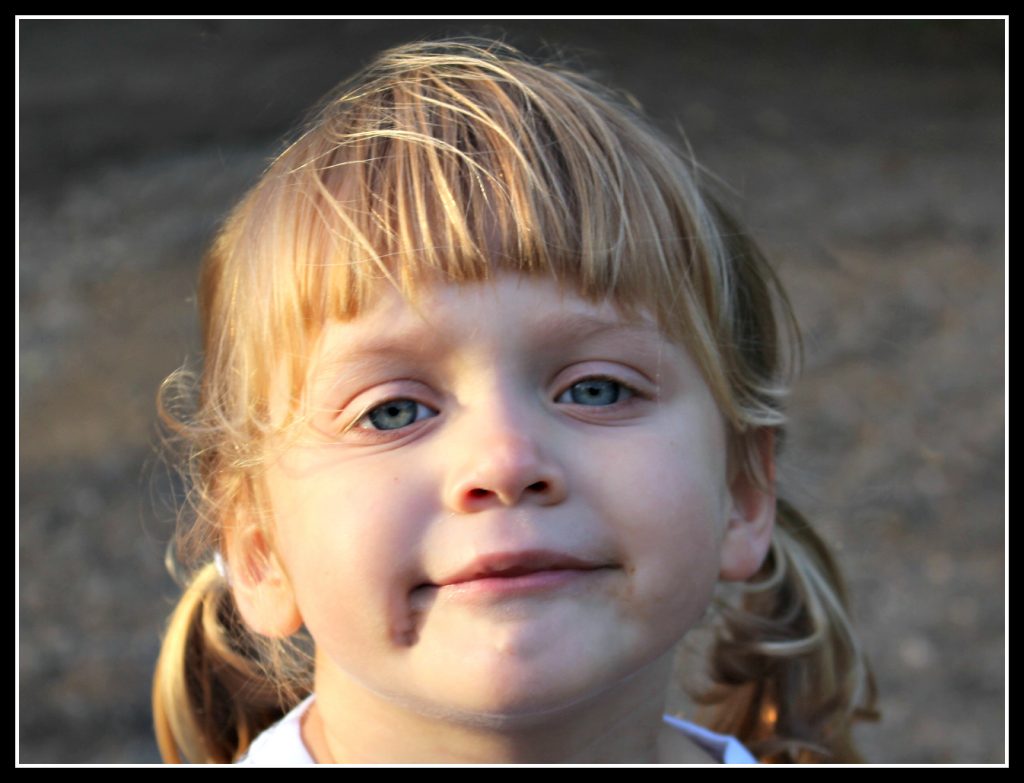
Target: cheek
668,479
348,540
350,512
671,512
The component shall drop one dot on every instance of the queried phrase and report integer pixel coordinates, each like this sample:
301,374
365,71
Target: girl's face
508,501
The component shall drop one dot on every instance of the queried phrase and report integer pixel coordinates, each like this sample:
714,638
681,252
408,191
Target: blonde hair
451,161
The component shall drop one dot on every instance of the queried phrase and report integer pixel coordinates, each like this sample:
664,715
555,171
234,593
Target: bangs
453,166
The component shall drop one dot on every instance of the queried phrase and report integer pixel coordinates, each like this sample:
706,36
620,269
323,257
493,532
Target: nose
501,462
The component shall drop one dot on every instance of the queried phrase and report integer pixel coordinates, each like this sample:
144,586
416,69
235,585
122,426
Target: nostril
538,486
479,493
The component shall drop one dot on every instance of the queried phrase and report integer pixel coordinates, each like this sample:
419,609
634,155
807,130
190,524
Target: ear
751,516
262,590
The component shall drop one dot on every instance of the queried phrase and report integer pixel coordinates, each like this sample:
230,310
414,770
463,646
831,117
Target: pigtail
789,675
211,694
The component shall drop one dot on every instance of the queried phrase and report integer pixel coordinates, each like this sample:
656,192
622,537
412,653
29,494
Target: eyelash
631,393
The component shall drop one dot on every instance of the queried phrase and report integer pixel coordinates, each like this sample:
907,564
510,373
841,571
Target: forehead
510,310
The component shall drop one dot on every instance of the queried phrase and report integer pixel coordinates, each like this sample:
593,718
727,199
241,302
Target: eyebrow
421,342
579,326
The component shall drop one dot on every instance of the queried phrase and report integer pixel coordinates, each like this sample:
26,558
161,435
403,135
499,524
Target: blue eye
596,391
395,414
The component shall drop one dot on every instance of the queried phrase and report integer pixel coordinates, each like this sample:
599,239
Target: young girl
491,401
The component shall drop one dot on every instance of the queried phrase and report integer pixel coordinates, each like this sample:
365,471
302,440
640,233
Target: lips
514,564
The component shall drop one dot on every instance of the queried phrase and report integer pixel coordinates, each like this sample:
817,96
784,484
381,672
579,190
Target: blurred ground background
868,156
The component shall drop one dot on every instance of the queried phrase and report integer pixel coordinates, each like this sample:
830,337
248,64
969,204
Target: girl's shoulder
282,745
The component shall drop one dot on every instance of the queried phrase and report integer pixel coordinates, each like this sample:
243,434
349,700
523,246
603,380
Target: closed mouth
508,565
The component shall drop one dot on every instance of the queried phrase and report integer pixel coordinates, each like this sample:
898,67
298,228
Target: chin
512,703
517,715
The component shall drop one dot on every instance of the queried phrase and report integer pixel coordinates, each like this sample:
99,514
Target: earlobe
751,519
262,590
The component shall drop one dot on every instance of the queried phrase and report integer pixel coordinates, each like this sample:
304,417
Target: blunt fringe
452,161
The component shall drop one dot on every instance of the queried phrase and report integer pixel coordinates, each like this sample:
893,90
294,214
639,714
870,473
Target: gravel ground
869,158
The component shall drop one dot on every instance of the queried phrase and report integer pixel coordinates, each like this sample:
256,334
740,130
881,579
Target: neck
350,724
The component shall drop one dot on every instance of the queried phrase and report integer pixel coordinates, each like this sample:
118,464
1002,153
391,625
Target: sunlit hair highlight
452,162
